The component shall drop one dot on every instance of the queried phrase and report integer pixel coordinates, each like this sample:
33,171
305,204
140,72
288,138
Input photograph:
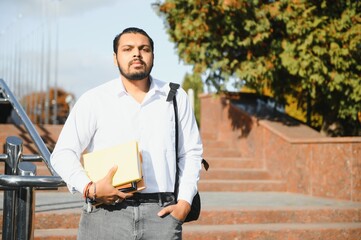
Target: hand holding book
105,191
125,164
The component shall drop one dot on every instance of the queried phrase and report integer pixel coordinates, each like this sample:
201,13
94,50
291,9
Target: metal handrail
20,180
35,181
44,151
26,158
15,181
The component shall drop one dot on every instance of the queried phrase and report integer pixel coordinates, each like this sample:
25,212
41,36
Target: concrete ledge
303,134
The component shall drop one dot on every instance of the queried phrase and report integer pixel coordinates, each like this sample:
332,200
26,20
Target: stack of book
126,156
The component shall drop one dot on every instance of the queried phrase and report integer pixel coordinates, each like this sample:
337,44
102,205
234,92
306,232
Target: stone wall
309,162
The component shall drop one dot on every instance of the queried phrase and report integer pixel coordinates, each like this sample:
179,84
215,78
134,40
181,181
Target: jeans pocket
175,219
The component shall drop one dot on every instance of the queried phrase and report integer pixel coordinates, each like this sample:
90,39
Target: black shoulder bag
196,203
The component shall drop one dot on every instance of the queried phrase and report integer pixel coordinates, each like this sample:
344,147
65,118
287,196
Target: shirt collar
119,87
156,86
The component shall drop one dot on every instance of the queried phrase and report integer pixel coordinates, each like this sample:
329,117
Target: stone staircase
242,198
240,201
251,215
230,172
256,206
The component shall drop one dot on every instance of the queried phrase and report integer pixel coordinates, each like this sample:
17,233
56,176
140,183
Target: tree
296,49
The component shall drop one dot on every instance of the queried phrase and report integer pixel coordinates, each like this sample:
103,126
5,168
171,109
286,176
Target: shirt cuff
185,194
80,184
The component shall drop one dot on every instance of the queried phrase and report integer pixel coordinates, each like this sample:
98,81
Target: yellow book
98,163
132,187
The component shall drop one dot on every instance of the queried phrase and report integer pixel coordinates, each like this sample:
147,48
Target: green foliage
309,50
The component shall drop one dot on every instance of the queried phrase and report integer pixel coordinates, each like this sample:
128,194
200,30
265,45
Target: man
132,107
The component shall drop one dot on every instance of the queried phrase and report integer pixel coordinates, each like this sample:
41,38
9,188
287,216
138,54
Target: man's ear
115,59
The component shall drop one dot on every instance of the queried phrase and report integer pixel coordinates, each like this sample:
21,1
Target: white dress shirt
107,115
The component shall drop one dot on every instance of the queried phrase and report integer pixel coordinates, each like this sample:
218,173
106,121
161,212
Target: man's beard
136,76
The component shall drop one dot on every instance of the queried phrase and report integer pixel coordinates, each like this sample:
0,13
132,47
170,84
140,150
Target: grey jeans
128,221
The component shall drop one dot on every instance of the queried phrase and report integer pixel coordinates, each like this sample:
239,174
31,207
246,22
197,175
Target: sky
86,32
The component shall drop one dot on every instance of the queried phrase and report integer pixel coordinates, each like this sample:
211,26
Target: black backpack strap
196,202
171,96
172,91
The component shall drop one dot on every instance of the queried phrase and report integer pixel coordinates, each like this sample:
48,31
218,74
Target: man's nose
137,53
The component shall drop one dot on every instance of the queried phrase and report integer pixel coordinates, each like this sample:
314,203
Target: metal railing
19,181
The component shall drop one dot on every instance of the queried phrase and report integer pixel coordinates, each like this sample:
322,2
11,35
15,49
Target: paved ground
268,199
64,201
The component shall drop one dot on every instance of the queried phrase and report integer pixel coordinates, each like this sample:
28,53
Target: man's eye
127,49
146,49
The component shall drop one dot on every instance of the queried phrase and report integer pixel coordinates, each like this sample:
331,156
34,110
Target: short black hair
131,30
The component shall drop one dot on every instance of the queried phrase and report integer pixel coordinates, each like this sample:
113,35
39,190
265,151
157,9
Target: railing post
26,204
14,149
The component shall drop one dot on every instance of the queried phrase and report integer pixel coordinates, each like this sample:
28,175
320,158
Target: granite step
56,234
329,231
222,152
314,231
233,162
209,136
234,174
217,144
220,185
226,215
